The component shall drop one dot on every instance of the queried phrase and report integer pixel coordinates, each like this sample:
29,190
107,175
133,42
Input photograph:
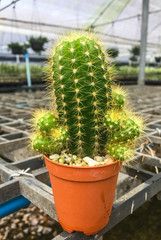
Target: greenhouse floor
34,223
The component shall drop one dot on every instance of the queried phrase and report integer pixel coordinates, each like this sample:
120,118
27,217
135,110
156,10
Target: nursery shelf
145,168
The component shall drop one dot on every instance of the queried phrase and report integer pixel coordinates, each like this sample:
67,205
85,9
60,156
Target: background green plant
9,72
37,72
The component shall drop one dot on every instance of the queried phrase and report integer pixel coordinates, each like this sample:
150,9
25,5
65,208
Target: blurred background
29,26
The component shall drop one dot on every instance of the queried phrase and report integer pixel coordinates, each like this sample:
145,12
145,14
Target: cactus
119,97
47,122
112,120
52,143
90,117
44,144
48,136
83,92
119,152
128,131
124,127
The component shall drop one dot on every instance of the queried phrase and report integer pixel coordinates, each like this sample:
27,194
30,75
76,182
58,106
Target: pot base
69,230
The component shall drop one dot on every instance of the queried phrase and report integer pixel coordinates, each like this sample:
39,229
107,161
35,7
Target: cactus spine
83,91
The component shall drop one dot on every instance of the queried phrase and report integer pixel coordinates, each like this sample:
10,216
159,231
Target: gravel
73,160
29,223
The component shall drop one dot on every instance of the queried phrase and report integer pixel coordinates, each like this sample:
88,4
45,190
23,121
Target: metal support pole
17,59
28,70
144,30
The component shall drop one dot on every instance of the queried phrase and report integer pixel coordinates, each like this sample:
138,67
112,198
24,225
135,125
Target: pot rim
77,167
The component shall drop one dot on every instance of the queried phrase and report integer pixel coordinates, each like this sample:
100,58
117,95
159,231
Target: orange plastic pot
83,195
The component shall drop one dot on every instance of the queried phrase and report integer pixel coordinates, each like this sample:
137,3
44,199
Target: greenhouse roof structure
116,22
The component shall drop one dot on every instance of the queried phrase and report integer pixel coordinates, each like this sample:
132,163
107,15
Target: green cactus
118,98
90,116
52,143
119,152
112,124
48,136
47,122
124,128
83,92
44,144
129,130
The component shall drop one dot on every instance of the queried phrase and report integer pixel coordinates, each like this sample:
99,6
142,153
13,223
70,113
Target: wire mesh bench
145,168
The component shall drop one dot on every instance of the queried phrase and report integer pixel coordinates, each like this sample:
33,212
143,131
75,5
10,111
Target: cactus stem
82,52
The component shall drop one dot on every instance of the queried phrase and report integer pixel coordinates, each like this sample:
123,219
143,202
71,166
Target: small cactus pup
47,122
121,144
120,152
82,88
128,130
119,98
124,127
48,137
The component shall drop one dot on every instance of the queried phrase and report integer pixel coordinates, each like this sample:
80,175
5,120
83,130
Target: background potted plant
113,52
16,48
135,53
158,60
87,134
37,43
